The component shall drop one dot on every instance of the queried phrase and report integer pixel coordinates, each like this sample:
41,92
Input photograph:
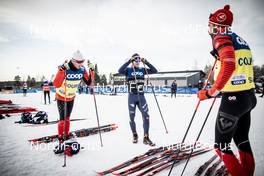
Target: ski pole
194,113
96,110
65,114
155,98
200,132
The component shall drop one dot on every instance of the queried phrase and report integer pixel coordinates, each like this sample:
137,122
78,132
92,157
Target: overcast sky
37,36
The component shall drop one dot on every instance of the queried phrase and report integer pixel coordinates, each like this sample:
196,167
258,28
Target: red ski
5,102
8,110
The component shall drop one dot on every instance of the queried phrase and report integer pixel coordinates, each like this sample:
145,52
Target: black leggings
233,120
46,93
61,108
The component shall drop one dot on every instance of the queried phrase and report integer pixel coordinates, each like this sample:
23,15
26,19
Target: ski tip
99,173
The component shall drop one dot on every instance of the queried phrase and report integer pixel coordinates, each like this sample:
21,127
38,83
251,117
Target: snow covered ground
17,157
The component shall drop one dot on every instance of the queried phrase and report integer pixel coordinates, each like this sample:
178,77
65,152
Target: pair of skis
48,123
222,171
79,133
153,161
13,108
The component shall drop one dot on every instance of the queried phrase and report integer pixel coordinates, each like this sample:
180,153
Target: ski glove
144,60
214,54
203,95
90,66
64,66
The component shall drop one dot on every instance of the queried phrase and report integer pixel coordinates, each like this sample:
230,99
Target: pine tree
258,71
96,75
33,82
103,80
17,81
43,78
29,81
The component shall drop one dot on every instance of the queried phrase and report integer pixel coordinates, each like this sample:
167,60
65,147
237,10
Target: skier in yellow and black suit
234,78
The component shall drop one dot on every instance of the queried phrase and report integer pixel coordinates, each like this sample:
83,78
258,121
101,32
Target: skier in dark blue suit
135,80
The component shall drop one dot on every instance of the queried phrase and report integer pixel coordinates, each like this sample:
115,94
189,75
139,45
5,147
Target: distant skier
234,78
46,91
190,89
25,87
174,88
200,85
135,80
70,73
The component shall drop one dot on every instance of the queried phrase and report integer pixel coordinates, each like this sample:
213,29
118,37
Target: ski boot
135,138
59,149
147,141
69,147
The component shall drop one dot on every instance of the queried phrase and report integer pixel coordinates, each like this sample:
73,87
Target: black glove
214,54
144,60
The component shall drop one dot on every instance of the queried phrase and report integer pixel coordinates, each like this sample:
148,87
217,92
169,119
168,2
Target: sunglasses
78,61
137,59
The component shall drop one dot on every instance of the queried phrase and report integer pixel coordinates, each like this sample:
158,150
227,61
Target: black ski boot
59,149
147,141
135,138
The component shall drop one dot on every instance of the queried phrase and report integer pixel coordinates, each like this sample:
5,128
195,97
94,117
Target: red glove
203,95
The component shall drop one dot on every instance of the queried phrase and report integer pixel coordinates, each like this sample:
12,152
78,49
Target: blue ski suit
136,93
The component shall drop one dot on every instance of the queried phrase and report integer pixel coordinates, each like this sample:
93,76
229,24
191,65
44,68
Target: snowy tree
258,71
17,80
32,82
96,75
103,80
28,81
43,78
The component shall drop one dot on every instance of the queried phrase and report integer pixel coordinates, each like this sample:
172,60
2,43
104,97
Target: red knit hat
222,17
